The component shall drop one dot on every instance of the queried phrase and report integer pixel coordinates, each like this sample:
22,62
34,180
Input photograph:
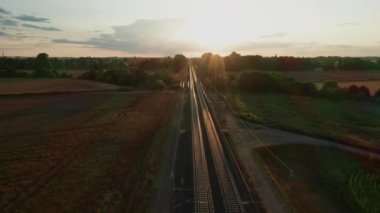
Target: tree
158,84
43,66
331,90
179,62
377,93
220,83
233,62
330,85
358,93
365,91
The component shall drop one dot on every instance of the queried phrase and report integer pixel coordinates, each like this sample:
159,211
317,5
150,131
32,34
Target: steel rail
203,192
231,197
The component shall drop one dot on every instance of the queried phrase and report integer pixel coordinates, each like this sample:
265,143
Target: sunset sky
167,27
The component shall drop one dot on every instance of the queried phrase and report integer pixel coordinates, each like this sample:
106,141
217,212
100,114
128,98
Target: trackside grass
343,121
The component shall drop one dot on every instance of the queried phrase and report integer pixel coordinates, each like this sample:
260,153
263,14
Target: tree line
256,76
274,82
44,66
236,62
143,73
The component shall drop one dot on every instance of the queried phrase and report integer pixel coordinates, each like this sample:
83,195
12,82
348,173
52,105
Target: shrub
331,90
308,88
65,75
220,83
377,93
253,81
158,84
365,91
358,93
265,82
330,85
42,72
333,93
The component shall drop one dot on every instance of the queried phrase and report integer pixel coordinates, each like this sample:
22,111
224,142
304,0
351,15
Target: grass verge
342,121
326,179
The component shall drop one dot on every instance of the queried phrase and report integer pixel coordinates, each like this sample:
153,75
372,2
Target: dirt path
243,142
161,199
257,135
270,198
248,136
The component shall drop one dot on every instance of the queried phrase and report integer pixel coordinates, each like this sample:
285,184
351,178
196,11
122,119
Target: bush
179,62
42,72
158,84
308,88
258,82
118,76
330,85
158,79
65,75
377,93
10,72
358,93
220,83
331,90
333,93
164,76
265,82
365,91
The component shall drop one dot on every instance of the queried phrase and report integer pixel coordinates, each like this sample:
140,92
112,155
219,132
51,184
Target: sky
104,28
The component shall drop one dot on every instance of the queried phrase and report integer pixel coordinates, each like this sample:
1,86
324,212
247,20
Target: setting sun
182,106
212,34
158,28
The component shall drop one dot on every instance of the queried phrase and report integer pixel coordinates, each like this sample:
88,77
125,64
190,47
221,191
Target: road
207,178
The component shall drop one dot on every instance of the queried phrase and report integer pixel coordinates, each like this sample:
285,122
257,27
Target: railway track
218,183
203,196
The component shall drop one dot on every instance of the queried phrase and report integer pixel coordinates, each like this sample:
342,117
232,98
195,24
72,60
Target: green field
325,179
343,121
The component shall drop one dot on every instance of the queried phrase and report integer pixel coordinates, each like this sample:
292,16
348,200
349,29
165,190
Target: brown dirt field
23,85
373,86
80,152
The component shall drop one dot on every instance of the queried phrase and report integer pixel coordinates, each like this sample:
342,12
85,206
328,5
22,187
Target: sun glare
215,34
210,35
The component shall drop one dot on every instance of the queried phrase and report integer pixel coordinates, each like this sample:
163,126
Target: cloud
158,37
31,18
305,49
347,24
142,36
4,34
41,28
4,11
66,41
274,35
247,46
95,31
8,22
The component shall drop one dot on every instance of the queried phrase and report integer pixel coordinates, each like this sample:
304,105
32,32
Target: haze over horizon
167,27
